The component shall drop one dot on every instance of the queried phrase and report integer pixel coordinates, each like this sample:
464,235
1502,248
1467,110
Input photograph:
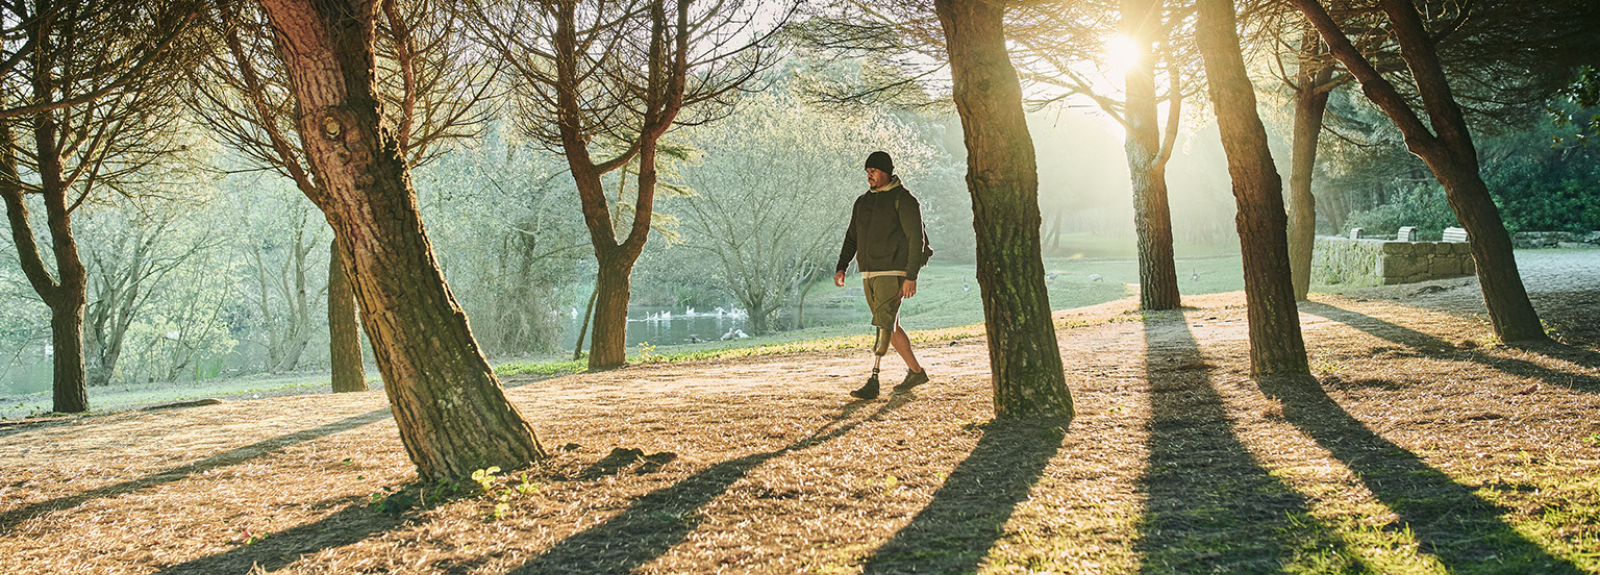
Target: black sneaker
913,379
868,391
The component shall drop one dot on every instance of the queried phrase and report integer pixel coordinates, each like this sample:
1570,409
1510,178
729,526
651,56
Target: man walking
889,245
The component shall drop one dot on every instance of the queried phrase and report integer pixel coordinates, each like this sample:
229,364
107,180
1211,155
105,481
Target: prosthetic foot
879,347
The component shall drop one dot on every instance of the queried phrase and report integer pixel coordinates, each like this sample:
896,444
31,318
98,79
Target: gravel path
1545,271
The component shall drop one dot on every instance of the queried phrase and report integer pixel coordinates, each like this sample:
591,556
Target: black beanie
881,161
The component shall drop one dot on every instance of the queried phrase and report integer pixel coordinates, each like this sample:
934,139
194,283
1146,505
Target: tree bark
588,313
760,320
1449,152
1152,217
609,348
1276,346
344,341
71,394
451,411
1310,105
1002,177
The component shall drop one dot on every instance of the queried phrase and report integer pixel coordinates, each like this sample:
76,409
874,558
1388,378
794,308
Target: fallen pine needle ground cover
1417,446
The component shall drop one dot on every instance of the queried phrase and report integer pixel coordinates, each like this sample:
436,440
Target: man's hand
908,288
838,278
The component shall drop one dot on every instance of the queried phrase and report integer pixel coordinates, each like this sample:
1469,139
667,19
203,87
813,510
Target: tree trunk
344,339
66,334
1152,217
1449,152
66,293
1276,346
300,310
609,348
760,323
450,409
1002,177
800,309
588,313
1310,105
1510,311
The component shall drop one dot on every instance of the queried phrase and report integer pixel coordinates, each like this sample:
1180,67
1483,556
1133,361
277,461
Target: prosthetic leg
879,348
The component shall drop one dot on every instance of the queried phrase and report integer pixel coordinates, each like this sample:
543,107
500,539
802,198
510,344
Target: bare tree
1276,346
125,272
611,78
451,411
282,294
84,113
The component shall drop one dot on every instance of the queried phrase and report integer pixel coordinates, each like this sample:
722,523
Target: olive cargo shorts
883,298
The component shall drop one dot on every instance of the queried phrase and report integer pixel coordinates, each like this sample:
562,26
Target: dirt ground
1420,446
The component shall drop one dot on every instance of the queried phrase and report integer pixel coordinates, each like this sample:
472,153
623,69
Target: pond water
681,325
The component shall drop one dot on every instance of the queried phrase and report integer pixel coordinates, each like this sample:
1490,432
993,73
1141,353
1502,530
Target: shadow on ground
955,531
663,518
1210,506
234,456
1450,522
1427,343
350,525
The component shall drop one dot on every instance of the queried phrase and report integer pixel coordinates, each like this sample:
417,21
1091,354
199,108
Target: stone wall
1358,262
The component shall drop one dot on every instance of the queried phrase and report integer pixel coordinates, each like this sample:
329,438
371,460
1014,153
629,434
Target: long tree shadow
1416,339
1210,506
11,518
663,518
354,523
1466,533
955,531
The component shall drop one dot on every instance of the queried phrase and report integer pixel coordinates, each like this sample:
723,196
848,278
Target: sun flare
1122,53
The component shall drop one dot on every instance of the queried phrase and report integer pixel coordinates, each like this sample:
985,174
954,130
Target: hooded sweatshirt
886,236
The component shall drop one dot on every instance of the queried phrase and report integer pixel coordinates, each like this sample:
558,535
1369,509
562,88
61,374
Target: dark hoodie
886,233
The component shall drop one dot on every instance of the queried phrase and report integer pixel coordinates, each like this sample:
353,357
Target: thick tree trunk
66,334
344,339
1310,105
452,413
1510,311
760,320
1453,158
1449,152
609,348
1002,177
1152,217
1276,346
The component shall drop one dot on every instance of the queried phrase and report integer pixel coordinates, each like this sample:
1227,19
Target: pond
682,325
